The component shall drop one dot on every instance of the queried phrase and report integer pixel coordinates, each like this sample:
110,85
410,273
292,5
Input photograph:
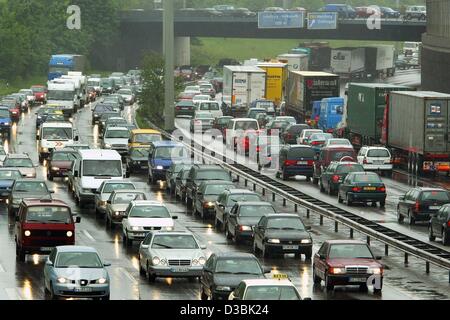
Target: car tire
329,190
284,177
400,217
203,295
321,187
445,238
142,271
411,220
349,202
431,236
382,204
52,294
378,290
340,200
329,286
20,254
49,177
227,232
316,279
255,248
308,254
217,224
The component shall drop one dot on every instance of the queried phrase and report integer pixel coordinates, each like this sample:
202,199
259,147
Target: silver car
21,162
171,254
117,205
76,272
103,193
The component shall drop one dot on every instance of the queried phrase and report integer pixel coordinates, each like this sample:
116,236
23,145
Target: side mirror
203,247
52,191
378,257
401,198
144,246
76,138
107,264
267,269
77,219
175,217
236,298
48,263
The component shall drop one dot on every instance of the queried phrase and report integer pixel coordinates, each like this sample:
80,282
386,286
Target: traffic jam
98,206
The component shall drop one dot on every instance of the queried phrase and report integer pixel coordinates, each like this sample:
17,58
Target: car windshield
30,186
321,136
171,152
110,187
57,133
246,125
367,178
125,198
78,260
309,133
48,214
174,242
435,196
139,153
10,174
117,134
271,293
106,83
338,155
55,117
285,224
378,153
347,168
268,105
192,88
238,266
255,211
60,95
213,175
223,120
37,89
103,108
93,83
4,113
63,156
149,211
302,152
125,92
147,137
242,198
343,142
203,115
102,168
20,163
349,251
214,106
215,189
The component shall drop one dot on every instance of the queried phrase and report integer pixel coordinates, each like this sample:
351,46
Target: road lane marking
13,294
128,275
2,269
88,235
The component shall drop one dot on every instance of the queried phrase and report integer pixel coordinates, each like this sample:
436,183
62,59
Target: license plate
290,247
180,269
434,207
370,188
139,234
357,280
83,289
46,248
378,161
302,162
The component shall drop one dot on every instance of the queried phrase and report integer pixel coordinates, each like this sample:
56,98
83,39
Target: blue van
344,11
331,112
5,122
161,156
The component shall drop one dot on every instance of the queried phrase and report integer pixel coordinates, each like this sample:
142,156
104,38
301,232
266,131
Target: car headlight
55,168
117,213
304,241
44,149
107,146
223,288
168,228
159,167
6,124
202,261
375,270
62,280
135,228
156,261
69,233
102,281
273,241
27,233
337,270
245,228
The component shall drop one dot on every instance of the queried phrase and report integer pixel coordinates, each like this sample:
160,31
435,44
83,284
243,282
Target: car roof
244,119
346,241
430,189
128,191
168,232
57,124
253,203
208,166
166,143
147,203
282,215
268,282
18,156
45,202
111,128
364,173
76,249
141,131
213,182
95,154
237,255
240,191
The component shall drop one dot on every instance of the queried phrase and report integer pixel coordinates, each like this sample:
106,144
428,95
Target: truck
63,93
61,64
331,111
348,62
365,110
379,61
416,128
276,77
241,86
318,53
295,61
305,87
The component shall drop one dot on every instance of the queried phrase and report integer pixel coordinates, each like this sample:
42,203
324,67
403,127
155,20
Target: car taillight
178,107
417,206
356,189
448,223
381,189
365,161
316,143
290,162
289,135
310,162
198,122
335,179
258,149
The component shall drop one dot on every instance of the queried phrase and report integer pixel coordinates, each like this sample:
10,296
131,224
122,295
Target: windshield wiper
242,272
164,246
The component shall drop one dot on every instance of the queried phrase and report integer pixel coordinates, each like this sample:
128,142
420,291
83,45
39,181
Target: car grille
119,146
179,262
288,242
82,294
49,233
356,269
152,228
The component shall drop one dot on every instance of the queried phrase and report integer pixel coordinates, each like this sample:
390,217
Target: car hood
248,221
150,222
287,234
179,254
6,183
342,262
210,198
81,273
233,280
25,171
119,207
30,195
61,164
116,141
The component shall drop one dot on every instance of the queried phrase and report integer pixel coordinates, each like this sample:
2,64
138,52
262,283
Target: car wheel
277,175
142,271
329,191
329,286
382,204
374,204
380,288
150,277
105,298
284,176
217,224
339,198
363,287
49,177
349,202
445,239
203,295
227,232
20,253
400,218
308,254
411,220
321,187
52,296
431,236
316,278
255,248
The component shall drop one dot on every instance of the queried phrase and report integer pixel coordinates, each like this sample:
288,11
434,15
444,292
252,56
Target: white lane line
13,294
2,269
88,235
128,275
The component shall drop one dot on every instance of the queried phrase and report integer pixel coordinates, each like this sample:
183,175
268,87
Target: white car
306,134
116,138
171,254
127,95
375,158
237,128
143,216
212,106
338,142
192,88
200,97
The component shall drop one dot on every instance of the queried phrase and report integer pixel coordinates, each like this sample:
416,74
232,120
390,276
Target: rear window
297,129
246,125
378,153
435,196
295,153
347,168
338,155
213,175
370,178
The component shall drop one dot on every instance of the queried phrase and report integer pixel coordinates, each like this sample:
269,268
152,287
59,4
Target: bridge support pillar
182,51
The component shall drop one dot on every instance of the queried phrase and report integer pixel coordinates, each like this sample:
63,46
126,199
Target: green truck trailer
365,111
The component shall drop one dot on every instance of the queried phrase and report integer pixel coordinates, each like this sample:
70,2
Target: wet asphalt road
25,280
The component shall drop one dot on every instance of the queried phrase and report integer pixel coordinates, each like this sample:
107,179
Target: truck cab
54,135
62,92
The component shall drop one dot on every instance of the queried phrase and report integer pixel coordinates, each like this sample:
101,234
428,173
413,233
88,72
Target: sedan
76,272
201,121
208,192
171,254
60,162
172,173
117,205
180,184
103,193
22,188
362,187
332,177
7,178
137,159
440,225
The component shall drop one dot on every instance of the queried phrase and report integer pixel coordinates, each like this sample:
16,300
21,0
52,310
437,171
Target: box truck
348,63
295,61
276,77
379,61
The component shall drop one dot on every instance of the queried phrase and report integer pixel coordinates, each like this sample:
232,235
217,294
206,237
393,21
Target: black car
104,118
243,216
180,184
332,177
362,187
172,173
137,159
99,110
184,108
223,272
282,233
292,132
440,225
418,204
296,160
387,13
221,123
207,194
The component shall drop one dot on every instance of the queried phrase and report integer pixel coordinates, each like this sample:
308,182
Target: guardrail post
238,178
284,202
368,240
273,197
406,258
295,208
254,187
351,233
336,226
246,182
263,192
427,267
386,250
321,220
307,213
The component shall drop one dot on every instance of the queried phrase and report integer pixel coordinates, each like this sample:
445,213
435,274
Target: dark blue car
7,178
296,160
161,156
5,121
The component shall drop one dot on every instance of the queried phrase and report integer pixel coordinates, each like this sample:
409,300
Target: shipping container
380,60
318,54
305,87
348,62
295,62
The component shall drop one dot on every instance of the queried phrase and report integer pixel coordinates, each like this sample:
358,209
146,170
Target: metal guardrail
408,245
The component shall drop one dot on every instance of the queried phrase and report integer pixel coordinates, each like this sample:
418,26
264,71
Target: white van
55,135
92,167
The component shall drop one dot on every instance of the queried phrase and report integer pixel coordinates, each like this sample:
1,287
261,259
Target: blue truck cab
61,64
161,156
331,113
5,122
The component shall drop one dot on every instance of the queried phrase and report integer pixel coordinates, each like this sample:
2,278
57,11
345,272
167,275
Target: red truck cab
42,225
329,154
40,93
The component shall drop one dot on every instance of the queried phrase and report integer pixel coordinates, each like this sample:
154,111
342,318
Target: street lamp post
168,50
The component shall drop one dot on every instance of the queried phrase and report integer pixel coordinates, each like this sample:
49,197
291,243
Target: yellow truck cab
143,137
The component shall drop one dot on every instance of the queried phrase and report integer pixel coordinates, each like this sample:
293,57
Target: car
244,12
366,12
317,140
289,119
420,203
221,123
238,128
41,225
292,132
243,216
296,160
208,88
376,159
344,11
103,193
107,86
29,95
40,93
78,146
116,122
274,9
42,114
116,138
263,119
27,189
265,104
266,289
60,162
347,262
127,95
335,174
180,184
22,162
22,98
416,12
253,112
5,122
137,159
276,126
282,233
7,178
201,121
172,173
161,156
117,204
14,110
200,173
171,254
337,142
99,109
439,225
211,106
389,13
143,137
143,216
104,118
117,98
306,135
184,108
362,187
207,194
329,154
227,200
76,272
223,272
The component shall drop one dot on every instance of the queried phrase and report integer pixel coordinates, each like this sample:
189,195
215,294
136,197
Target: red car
330,154
347,262
42,225
60,162
40,93
14,109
